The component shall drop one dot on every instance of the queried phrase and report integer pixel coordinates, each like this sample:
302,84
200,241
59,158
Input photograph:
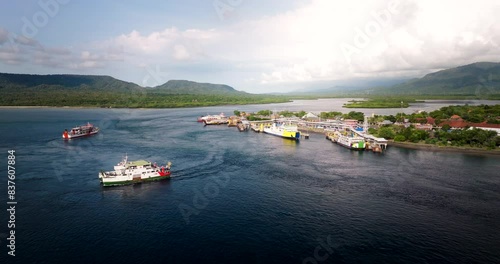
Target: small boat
131,172
241,127
281,130
80,131
375,144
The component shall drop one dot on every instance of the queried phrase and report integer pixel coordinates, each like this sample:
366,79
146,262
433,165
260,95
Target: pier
372,143
327,128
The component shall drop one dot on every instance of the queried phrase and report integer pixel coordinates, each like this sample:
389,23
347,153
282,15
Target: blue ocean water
238,197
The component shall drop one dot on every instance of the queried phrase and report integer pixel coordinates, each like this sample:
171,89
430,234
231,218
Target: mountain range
476,79
69,82
480,80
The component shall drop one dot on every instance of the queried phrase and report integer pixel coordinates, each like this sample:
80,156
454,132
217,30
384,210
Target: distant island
381,103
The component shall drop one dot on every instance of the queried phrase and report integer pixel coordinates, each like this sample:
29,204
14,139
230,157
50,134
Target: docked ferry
347,139
80,131
289,131
131,172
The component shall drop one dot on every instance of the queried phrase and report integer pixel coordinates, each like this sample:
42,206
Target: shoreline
428,147
100,107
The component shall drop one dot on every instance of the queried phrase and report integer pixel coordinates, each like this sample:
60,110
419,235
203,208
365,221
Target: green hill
63,82
106,91
189,87
480,79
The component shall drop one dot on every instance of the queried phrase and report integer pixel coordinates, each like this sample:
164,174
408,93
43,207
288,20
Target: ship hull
214,122
351,147
347,142
285,134
80,135
127,180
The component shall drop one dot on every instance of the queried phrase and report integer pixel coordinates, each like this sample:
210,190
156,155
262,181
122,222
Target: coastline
100,107
44,106
428,147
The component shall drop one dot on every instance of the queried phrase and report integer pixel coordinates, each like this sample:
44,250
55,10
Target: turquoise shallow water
238,197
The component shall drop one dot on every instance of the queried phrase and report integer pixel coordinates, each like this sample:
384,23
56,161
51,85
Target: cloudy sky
255,46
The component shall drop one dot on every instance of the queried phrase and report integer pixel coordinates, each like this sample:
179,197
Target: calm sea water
238,197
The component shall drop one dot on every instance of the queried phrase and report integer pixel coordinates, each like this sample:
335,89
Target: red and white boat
213,119
131,172
80,131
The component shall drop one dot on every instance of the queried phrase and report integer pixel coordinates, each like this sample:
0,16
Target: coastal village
357,131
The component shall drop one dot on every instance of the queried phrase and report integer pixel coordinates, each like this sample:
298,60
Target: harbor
346,133
228,185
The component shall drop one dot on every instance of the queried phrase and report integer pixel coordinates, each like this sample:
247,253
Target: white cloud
4,36
170,43
387,39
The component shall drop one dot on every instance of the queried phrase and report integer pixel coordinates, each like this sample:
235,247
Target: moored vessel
131,172
289,131
80,131
210,118
347,139
214,119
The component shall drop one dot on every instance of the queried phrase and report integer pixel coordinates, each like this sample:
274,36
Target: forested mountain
64,82
106,91
189,87
482,78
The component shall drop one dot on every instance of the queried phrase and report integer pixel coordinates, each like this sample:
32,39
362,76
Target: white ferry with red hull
132,172
213,119
80,131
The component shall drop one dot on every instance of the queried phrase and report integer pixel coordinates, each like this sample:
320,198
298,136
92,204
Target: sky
254,46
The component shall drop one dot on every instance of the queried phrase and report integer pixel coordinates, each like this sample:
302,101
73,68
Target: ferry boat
131,172
209,118
281,130
80,131
347,139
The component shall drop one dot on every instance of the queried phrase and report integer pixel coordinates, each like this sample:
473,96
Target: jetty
373,143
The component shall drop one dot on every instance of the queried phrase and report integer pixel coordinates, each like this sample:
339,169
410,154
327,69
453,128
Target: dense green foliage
459,137
189,87
330,115
445,136
133,100
472,114
478,80
105,91
380,103
354,115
